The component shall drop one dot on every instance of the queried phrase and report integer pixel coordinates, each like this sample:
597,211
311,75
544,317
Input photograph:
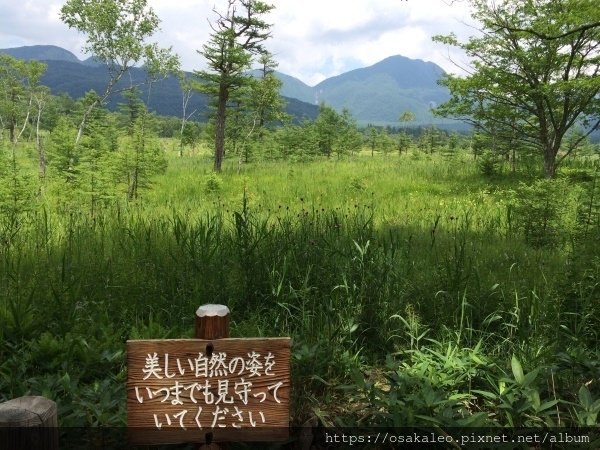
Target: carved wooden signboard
194,390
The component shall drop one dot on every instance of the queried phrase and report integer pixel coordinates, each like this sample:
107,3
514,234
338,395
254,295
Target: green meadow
416,290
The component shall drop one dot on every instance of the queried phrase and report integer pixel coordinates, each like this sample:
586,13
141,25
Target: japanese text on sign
182,384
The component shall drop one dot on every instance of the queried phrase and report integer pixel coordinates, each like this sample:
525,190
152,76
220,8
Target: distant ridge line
377,94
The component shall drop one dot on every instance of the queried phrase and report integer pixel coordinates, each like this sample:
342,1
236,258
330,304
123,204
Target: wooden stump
28,423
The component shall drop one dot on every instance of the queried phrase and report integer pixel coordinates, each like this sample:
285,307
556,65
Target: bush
448,385
588,213
213,183
358,184
541,212
489,164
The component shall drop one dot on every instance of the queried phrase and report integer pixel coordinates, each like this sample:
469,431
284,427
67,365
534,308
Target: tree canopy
19,82
116,33
534,73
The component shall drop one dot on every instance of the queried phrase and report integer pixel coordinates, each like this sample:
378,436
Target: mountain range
65,73
377,94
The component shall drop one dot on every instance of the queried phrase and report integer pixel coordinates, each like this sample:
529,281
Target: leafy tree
371,136
97,163
379,140
535,70
336,132
141,157
299,140
85,173
63,156
168,127
406,117
479,143
58,106
453,141
18,83
131,109
256,106
238,35
404,140
581,146
240,126
192,134
327,126
349,138
116,33
16,190
265,100
431,139
386,142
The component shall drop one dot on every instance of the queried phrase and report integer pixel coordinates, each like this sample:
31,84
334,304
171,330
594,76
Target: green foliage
106,166
518,398
432,386
132,109
116,30
431,139
541,212
406,117
141,157
588,212
19,81
192,133
336,133
533,76
358,184
327,126
264,99
489,164
63,156
355,259
116,34
444,385
378,139
404,142
238,36
587,409
213,183
84,173
16,188
299,141
98,149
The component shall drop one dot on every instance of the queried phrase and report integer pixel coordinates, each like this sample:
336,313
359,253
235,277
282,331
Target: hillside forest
428,277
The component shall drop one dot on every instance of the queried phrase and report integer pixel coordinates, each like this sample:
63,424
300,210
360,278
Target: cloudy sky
312,39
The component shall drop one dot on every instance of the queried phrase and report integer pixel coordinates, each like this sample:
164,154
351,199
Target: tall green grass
358,260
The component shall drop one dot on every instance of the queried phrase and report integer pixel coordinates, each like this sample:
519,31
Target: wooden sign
196,390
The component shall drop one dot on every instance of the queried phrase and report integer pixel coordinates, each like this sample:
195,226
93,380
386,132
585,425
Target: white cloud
312,39
322,39
407,41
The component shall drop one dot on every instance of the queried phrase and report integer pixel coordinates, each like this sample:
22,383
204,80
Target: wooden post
212,322
29,423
